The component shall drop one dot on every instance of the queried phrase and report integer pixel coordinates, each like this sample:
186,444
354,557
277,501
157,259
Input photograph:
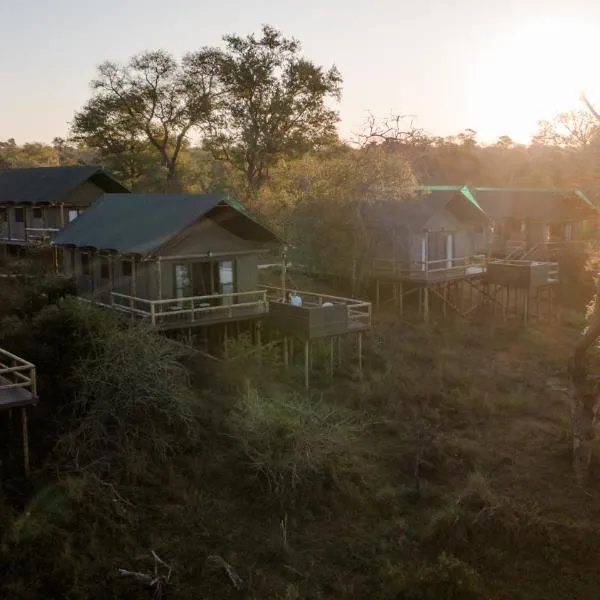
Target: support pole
426,304
377,293
401,298
25,435
360,358
526,306
285,351
225,341
331,356
258,334
306,362
445,292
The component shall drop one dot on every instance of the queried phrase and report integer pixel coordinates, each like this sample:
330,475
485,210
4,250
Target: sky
495,66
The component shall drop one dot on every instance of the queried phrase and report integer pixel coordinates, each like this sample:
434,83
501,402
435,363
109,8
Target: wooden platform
15,397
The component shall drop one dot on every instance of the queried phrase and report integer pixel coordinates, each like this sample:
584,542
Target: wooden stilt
526,306
339,352
258,334
285,351
225,342
401,297
360,369
331,356
25,436
377,293
444,304
426,304
306,362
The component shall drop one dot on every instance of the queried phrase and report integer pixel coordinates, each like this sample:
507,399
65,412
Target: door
440,250
181,281
226,280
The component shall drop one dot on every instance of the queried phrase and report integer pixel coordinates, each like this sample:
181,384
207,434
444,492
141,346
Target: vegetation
433,477
445,472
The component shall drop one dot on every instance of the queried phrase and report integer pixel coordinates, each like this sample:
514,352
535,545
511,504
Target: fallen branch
158,583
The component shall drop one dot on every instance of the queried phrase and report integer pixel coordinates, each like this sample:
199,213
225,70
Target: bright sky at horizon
495,67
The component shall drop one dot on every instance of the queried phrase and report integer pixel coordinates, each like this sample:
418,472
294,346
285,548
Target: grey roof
412,213
143,223
50,185
534,203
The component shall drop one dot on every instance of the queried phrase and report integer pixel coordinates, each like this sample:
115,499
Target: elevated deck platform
431,271
17,381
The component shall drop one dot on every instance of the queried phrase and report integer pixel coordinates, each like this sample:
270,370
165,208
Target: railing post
152,314
192,306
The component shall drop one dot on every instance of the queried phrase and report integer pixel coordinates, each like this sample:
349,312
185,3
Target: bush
293,441
133,406
447,579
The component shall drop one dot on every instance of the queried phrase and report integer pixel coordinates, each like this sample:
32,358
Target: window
85,263
104,268
73,213
37,213
126,268
182,281
20,215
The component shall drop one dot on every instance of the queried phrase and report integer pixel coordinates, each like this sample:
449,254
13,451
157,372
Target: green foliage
151,103
133,407
293,441
273,104
448,578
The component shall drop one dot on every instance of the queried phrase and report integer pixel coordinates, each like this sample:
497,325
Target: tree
325,201
272,104
153,101
573,129
13,156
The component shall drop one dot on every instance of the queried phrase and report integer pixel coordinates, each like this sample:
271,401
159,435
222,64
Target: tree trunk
585,393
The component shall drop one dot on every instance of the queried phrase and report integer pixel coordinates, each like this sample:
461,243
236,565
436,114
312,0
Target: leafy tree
153,101
272,104
13,156
324,205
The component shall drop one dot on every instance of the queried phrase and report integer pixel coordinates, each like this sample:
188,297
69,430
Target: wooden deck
195,311
17,382
312,319
429,271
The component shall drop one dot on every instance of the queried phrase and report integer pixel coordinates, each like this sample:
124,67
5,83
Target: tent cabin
440,233
534,223
171,260
36,202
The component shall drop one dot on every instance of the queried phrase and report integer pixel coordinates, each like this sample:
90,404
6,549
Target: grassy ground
444,473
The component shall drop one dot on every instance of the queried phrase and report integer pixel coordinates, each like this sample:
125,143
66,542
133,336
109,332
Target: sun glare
533,73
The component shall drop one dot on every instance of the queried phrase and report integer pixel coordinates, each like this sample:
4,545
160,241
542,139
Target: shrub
447,579
293,440
133,405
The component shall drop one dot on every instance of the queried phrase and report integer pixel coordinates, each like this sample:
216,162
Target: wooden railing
359,311
408,267
38,233
553,273
16,373
216,307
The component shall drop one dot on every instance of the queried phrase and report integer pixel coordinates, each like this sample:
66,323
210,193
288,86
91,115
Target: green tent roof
143,223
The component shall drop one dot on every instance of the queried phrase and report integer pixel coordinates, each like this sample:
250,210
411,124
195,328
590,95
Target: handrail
19,374
359,311
155,310
432,266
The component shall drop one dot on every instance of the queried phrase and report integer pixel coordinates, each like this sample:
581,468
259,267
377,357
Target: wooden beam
306,362
360,357
25,437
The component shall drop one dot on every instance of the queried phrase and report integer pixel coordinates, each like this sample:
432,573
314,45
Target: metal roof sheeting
143,223
50,185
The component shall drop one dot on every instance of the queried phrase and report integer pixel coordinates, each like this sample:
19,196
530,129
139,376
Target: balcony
320,314
17,381
431,270
191,311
